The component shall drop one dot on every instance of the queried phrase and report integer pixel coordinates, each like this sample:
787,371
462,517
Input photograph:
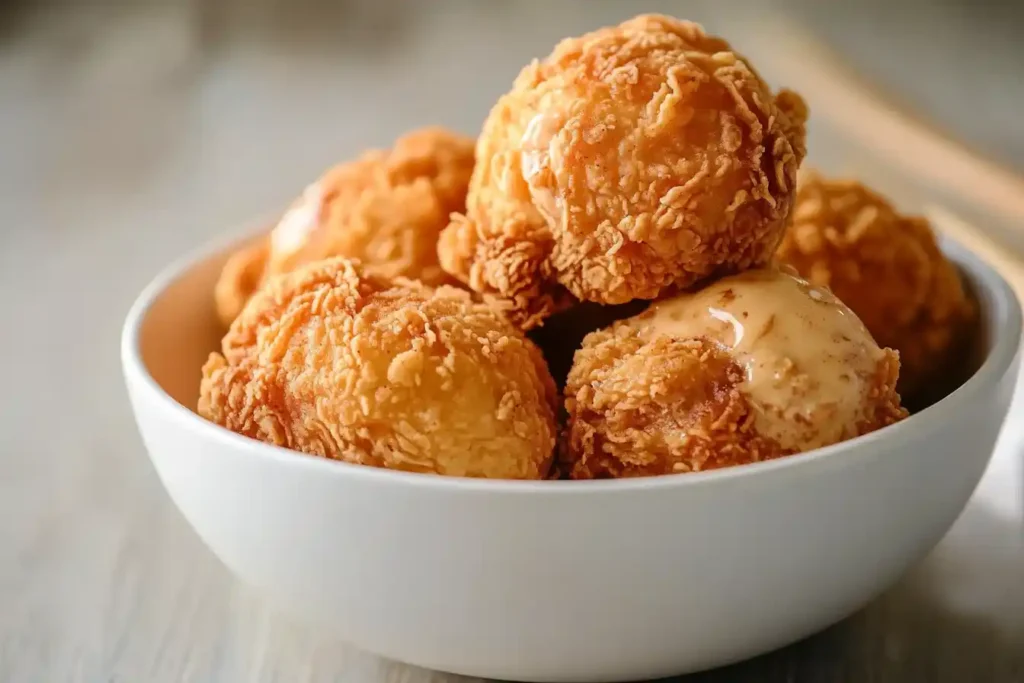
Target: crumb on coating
385,208
664,407
886,267
632,160
333,361
642,403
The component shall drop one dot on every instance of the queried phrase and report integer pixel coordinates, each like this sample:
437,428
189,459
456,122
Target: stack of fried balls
626,274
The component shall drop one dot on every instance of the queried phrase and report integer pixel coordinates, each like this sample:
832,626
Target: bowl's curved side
556,581
622,585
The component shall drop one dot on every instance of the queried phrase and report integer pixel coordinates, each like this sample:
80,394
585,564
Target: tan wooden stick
898,138
1002,259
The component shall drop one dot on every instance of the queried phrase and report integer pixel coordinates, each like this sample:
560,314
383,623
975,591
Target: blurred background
133,131
172,113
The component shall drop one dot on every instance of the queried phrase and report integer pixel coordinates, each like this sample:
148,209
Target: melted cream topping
808,359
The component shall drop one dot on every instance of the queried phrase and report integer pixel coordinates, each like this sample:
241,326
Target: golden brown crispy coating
333,361
885,266
632,160
239,278
753,367
661,407
385,208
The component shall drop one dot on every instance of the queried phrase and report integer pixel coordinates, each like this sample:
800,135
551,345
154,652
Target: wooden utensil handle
1009,266
907,144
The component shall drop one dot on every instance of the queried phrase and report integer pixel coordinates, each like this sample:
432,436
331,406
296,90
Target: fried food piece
631,161
239,278
885,266
385,208
333,361
753,367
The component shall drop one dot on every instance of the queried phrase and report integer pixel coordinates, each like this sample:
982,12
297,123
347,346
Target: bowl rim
997,363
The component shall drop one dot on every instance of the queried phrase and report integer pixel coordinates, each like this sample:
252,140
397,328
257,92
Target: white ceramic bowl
563,581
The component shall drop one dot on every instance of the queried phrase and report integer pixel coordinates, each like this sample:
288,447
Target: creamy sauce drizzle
808,359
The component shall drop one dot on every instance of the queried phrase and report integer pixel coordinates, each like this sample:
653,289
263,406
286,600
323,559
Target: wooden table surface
128,138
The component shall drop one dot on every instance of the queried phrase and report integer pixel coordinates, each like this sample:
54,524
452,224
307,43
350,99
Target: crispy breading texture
886,267
333,361
643,400
663,407
385,208
631,161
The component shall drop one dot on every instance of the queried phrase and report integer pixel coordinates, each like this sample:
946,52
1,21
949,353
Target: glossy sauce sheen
537,157
298,223
809,360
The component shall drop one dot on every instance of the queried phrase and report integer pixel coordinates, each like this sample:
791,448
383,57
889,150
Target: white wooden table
124,146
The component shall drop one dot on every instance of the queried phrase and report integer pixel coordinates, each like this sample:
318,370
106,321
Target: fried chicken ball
334,361
755,366
886,267
631,161
239,278
385,208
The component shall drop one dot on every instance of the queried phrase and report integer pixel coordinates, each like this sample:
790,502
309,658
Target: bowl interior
180,328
